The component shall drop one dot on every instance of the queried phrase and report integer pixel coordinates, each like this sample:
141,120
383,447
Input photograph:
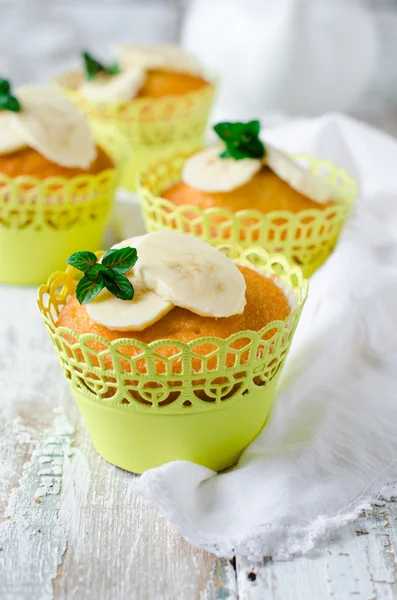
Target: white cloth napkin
330,446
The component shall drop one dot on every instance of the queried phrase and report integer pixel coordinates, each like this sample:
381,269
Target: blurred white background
276,58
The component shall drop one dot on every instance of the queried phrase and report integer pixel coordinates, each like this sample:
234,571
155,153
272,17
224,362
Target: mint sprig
107,274
241,140
93,67
7,100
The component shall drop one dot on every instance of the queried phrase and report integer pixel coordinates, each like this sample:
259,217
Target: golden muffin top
168,283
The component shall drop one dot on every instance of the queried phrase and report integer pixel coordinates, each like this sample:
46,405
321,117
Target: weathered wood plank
360,563
69,526
118,546
94,537
223,582
32,539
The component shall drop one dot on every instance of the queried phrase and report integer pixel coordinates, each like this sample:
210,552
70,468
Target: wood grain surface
71,529
89,537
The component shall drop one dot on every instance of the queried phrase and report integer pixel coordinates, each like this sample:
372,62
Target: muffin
245,191
56,185
29,162
173,348
155,97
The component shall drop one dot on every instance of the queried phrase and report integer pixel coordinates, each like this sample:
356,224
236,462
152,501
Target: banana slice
191,274
296,176
114,88
10,139
128,315
207,172
54,127
137,314
172,269
169,57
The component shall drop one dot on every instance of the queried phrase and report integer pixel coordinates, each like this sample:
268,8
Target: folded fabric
330,446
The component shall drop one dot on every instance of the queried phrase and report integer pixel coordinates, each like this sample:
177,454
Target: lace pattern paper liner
55,203
168,376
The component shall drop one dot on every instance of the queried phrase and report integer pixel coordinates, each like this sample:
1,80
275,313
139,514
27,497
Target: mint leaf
9,103
226,131
82,260
7,100
118,285
241,140
93,67
5,87
87,290
94,273
121,260
107,274
12,104
254,127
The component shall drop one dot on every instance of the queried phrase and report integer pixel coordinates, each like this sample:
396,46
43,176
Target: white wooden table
71,529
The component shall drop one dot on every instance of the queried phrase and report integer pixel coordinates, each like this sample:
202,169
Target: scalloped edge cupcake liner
137,428
42,226
281,231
